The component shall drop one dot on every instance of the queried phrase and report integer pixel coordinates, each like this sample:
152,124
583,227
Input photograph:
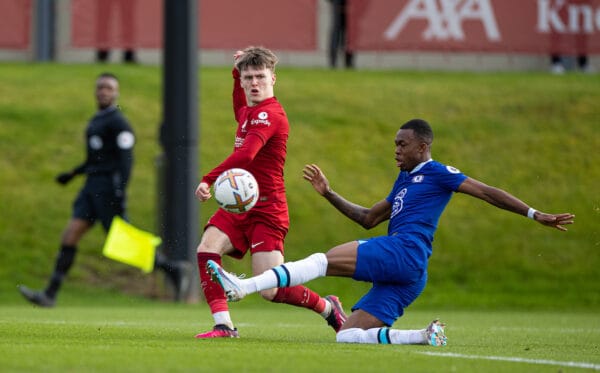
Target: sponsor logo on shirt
239,141
262,119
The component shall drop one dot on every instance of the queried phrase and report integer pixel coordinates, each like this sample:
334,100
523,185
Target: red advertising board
222,24
15,16
530,26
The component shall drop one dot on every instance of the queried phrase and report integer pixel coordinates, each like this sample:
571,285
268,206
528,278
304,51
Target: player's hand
317,178
557,221
64,177
236,56
203,192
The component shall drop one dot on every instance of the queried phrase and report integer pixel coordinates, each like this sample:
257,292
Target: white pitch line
573,364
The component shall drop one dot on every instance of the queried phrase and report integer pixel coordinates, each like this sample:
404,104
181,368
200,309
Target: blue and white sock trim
383,336
283,276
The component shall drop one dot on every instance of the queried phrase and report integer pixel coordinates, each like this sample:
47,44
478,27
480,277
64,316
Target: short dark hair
257,57
421,128
107,75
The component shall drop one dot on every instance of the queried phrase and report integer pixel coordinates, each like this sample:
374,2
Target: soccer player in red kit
260,147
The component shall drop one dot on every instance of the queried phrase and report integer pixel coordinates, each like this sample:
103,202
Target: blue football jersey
419,197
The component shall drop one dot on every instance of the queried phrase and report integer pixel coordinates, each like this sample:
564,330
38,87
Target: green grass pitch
146,336
517,297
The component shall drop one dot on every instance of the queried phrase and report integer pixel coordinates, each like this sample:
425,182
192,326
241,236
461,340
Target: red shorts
261,229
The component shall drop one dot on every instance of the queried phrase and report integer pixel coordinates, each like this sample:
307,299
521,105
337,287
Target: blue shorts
397,268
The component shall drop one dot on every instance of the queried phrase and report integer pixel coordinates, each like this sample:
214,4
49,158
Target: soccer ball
236,190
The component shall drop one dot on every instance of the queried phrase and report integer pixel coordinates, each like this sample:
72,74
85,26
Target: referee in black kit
110,140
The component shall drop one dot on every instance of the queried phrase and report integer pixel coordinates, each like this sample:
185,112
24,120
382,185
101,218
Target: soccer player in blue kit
395,264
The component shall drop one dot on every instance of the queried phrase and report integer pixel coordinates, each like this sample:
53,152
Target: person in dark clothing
338,35
110,141
558,67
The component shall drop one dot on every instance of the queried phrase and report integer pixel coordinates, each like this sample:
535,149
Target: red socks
214,294
300,296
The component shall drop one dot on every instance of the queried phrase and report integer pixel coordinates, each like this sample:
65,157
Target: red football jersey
260,143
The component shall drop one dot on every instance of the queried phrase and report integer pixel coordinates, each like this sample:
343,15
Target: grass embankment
534,135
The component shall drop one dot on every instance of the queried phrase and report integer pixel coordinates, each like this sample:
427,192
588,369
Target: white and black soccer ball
236,190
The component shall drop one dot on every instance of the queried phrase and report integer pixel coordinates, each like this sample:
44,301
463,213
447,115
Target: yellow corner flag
130,245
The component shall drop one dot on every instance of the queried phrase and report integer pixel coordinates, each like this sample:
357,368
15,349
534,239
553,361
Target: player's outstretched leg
282,276
432,335
235,291
230,283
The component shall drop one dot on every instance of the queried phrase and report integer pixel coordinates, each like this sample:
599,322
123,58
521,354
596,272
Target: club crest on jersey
262,119
418,178
96,142
398,203
453,170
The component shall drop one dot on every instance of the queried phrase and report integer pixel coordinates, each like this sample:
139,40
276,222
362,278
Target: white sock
327,310
355,335
407,337
223,318
288,274
381,335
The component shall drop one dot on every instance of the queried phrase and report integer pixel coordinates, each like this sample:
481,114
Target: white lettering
445,18
574,16
482,11
579,18
548,17
254,122
415,9
239,141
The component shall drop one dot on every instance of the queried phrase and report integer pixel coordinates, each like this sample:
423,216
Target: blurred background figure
107,10
338,35
559,65
578,59
109,160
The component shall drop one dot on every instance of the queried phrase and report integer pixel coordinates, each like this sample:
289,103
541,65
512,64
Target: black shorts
98,202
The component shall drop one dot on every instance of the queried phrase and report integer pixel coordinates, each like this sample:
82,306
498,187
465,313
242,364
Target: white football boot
228,281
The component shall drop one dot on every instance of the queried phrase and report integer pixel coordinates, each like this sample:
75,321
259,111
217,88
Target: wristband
531,213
